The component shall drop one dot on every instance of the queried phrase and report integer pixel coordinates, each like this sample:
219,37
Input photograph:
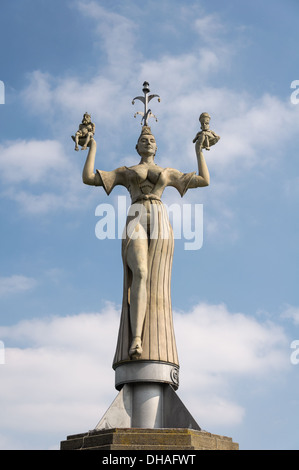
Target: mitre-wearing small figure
206,137
85,133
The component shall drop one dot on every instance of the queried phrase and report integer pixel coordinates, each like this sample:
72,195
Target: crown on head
204,115
146,130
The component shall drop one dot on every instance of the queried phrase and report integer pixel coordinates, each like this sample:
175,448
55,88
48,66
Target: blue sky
235,300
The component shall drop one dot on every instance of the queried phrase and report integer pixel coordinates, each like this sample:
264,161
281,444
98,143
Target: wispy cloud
16,284
291,312
40,176
209,27
117,33
31,161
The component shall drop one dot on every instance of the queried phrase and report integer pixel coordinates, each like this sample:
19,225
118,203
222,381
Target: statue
146,361
146,327
85,133
206,137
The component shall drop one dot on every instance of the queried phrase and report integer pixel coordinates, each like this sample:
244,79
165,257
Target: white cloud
69,98
38,95
117,33
58,375
218,350
37,203
67,197
16,284
32,161
292,313
40,176
209,27
230,343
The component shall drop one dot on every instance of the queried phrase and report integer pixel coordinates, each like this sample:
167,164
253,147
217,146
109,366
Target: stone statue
146,361
146,327
206,137
85,133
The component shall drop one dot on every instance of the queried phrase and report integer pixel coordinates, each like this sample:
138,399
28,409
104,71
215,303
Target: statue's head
146,144
204,120
86,118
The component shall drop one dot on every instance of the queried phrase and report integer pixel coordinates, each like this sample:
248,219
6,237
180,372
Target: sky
234,296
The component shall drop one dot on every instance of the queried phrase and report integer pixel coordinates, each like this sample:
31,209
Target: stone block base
148,439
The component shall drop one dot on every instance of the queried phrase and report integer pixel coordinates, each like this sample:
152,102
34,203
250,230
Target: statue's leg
207,143
137,257
86,141
77,141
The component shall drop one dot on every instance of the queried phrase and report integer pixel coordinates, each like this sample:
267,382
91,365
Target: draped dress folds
158,339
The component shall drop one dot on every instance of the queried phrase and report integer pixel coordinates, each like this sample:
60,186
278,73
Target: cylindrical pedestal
146,380
147,402
147,398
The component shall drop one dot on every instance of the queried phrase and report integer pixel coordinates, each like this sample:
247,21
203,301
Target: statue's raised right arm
203,140
203,176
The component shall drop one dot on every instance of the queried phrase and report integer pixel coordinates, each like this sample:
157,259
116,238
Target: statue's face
147,145
205,122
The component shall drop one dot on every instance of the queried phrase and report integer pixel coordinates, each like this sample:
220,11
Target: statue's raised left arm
89,176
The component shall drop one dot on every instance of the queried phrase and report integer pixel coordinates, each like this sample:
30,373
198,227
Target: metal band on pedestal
146,371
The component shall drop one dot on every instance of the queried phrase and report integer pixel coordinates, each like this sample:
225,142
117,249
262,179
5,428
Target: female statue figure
146,326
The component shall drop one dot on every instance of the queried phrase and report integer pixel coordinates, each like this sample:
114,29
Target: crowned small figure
206,137
85,133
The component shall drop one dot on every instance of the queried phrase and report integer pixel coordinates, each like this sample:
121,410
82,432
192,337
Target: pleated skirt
158,338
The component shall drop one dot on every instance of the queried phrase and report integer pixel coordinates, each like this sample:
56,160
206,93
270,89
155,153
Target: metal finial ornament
145,100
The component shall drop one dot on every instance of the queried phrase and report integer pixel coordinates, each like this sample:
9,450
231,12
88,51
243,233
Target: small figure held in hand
206,137
85,133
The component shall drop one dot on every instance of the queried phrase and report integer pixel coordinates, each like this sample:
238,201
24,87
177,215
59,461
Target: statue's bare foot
136,348
76,148
84,147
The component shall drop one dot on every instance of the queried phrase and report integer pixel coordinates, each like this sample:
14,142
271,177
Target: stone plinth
148,439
